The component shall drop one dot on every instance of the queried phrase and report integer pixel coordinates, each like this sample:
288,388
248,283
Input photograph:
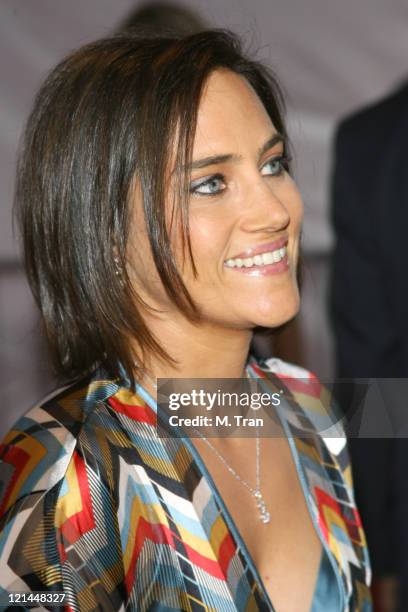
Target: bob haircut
111,112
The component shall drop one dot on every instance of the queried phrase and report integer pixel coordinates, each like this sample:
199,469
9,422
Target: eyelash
283,160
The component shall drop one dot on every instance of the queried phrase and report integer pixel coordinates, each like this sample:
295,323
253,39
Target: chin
276,313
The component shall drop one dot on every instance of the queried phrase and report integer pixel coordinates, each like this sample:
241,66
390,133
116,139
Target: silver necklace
264,515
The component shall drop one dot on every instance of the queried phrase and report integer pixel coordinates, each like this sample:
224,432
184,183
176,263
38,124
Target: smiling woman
161,226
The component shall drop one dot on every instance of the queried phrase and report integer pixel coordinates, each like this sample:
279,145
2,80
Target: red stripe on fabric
83,520
155,532
324,499
161,534
18,459
209,565
357,518
141,413
323,527
226,552
309,386
258,370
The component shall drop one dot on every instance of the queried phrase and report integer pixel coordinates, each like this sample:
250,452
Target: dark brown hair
107,113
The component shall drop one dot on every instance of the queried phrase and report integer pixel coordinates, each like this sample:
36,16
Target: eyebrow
231,157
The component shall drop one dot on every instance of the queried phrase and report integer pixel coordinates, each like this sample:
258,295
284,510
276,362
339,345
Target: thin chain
263,512
256,493
231,469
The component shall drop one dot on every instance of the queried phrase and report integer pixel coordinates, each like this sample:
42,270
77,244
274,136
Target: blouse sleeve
58,525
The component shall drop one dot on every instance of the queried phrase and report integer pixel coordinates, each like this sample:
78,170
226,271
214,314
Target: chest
286,550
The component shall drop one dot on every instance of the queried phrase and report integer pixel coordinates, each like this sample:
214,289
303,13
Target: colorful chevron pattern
94,503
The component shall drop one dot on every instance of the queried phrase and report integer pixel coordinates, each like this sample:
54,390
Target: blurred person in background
163,17
369,307
161,226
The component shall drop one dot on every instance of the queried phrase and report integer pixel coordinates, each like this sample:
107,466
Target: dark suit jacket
369,305
369,296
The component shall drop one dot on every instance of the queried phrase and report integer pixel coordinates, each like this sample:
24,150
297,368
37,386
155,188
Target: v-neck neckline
229,521
225,513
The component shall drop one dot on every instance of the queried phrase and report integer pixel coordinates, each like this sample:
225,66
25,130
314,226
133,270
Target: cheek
209,238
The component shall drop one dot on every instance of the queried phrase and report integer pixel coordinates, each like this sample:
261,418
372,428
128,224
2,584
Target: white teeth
267,258
258,260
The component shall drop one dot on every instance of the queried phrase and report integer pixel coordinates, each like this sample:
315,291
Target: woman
161,226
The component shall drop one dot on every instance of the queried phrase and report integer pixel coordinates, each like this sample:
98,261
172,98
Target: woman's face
245,215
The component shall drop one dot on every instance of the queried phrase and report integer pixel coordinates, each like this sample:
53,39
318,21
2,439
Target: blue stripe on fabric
212,598
5,533
326,596
340,534
210,514
192,525
147,494
242,591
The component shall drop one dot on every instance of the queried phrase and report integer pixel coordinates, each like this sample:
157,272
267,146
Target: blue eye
275,166
210,186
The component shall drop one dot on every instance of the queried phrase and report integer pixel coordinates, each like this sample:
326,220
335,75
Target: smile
263,259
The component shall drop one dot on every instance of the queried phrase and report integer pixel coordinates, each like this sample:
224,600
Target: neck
201,351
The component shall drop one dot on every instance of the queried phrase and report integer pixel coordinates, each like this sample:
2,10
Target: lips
261,248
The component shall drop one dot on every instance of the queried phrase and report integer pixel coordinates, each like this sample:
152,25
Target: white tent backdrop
331,58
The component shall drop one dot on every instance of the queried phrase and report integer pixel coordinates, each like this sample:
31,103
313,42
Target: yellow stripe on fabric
152,513
182,461
332,518
218,532
201,546
200,604
348,476
73,403
252,605
50,575
70,503
162,466
306,448
125,396
362,541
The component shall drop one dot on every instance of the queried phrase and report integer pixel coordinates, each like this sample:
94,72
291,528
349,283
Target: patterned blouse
94,504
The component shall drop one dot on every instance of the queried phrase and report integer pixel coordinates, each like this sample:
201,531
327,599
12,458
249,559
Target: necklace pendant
263,513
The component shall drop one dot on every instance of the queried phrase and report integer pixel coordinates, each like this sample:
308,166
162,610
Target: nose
265,209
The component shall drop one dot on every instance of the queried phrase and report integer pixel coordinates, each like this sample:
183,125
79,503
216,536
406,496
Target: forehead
230,114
